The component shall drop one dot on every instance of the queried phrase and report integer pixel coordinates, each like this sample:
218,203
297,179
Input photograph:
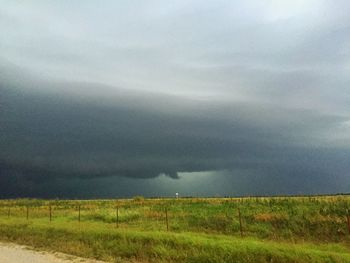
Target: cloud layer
136,90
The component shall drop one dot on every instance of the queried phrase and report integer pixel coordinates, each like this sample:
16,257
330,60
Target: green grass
200,230
93,240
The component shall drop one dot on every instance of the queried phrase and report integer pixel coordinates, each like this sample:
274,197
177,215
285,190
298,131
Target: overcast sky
119,98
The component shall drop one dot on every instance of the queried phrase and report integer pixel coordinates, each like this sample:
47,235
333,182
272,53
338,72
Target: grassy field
278,229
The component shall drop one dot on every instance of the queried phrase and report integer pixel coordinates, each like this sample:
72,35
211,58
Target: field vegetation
274,229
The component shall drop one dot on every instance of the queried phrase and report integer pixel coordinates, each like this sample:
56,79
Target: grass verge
125,245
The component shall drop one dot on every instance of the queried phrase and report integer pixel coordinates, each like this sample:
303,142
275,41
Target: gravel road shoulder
13,253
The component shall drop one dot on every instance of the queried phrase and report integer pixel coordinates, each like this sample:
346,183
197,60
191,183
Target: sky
104,99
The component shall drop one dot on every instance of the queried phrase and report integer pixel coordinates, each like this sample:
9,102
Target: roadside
13,253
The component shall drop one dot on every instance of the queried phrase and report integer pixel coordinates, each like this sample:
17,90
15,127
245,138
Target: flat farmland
249,229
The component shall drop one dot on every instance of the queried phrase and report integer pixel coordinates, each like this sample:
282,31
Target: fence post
50,213
166,218
348,219
79,213
27,212
117,222
240,222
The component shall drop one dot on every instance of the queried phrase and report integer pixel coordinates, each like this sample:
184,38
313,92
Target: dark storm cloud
49,135
135,90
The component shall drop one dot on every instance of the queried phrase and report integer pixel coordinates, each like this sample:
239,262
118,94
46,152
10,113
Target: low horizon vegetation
250,229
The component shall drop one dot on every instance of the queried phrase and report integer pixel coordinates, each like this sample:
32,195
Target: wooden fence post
50,213
240,222
79,213
117,222
166,219
348,219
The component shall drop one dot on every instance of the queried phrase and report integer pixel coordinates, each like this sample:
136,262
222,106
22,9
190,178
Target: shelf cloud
127,92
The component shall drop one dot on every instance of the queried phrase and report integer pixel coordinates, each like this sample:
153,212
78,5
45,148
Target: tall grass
283,229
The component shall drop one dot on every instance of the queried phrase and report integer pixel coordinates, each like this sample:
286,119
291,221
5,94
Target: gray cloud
92,90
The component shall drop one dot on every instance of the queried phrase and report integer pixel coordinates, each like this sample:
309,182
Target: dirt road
12,253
